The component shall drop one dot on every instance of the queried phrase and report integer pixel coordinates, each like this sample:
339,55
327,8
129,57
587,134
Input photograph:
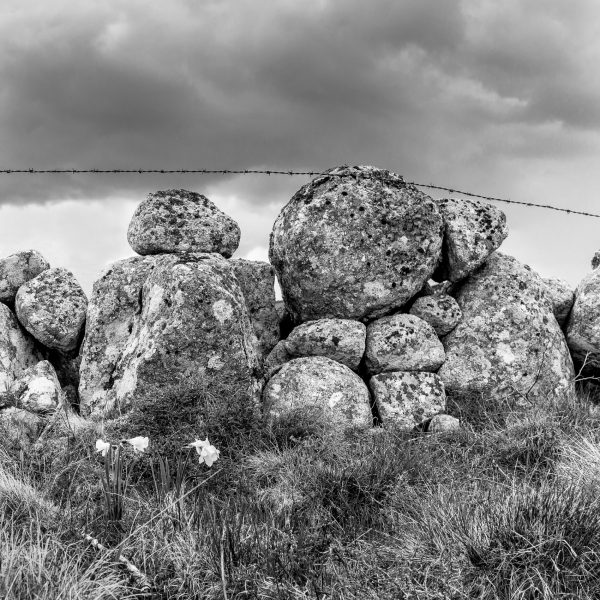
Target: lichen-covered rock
115,304
407,398
19,428
443,423
354,243
561,297
276,359
18,268
441,311
402,343
52,307
178,221
342,340
508,347
37,389
193,325
472,231
583,325
17,350
257,280
323,386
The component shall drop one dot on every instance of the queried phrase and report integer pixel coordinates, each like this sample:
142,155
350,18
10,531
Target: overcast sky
496,97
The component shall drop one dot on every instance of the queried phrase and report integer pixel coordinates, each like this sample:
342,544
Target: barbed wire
290,173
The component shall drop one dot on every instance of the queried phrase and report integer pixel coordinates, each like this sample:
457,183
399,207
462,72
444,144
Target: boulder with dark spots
37,389
441,311
402,343
472,231
407,398
323,387
52,307
561,298
192,325
342,340
257,280
178,221
354,243
17,350
508,348
17,269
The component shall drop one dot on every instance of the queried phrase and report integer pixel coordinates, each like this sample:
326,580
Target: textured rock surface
52,307
17,350
442,423
355,243
257,280
508,344
19,428
402,343
193,323
342,340
178,221
276,359
37,389
561,297
583,326
407,398
472,231
18,268
332,390
439,310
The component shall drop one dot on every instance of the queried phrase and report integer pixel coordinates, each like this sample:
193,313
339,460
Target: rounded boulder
18,268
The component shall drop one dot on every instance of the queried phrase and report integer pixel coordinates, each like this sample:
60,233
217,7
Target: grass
506,508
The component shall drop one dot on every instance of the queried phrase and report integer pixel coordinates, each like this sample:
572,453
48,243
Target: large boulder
342,340
37,389
325,388
407,398
17,269
508,347
441,311
52,307
192,325
178,221
402,343
17,350
472,231
354,243
257,280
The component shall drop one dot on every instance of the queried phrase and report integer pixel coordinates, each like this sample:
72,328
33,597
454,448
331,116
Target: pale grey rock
407,398
19,428
193,326
17,269
342,340
276,359
37,389
441,311
472,231
52,307
17,351
402,343
443,423
508,347
257,280
354,243
561,298
321,385
178,221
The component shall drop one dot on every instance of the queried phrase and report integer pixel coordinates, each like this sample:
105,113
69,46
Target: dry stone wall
393,304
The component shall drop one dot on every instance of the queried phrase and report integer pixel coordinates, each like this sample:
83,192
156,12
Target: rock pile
393,303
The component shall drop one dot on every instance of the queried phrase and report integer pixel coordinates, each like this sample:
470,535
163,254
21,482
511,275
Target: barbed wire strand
289,173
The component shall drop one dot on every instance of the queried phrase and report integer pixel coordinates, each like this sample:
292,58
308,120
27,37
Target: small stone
472,231
561,298
178,222
337,394
342,340
439,310
17,269
402,343
407,398
52,307
443,423
37,389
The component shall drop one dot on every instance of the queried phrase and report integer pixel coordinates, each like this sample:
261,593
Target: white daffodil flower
139,443
207,452
199,444
102,446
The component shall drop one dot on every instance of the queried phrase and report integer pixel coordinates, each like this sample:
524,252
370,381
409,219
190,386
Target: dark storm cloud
419,86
